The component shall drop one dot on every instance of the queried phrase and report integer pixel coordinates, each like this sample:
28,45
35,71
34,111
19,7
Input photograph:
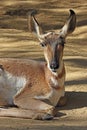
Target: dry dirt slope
16,41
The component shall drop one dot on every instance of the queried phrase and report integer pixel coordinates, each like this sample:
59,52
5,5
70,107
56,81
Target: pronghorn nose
54,65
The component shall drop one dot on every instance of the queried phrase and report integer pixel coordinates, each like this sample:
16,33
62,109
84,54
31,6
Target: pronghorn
36,87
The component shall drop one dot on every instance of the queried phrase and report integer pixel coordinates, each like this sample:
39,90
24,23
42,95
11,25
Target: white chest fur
54,81
10,85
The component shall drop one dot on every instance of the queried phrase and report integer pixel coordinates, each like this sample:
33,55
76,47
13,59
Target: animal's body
36,87
16,76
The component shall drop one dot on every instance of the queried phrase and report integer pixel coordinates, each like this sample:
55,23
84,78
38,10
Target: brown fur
43,84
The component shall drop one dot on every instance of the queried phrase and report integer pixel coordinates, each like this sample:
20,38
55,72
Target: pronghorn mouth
54,70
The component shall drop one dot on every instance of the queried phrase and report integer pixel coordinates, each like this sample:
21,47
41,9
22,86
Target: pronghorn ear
34,26
69,25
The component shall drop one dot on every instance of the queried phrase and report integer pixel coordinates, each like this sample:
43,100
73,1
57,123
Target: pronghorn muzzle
54,65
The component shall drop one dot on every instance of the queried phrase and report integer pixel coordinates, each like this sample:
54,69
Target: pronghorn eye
62,44
62,41
43,44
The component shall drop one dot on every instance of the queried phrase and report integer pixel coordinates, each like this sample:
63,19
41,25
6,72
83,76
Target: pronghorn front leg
62,101
26,100
41,109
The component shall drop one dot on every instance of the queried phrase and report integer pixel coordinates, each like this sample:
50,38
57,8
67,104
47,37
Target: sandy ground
17,41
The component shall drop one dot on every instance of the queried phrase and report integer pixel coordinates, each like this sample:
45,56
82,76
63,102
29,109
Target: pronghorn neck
55,80
54,75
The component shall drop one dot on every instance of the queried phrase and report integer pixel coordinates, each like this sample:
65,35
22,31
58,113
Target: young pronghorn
36,87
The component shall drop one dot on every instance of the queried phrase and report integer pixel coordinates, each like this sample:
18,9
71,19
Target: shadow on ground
76,100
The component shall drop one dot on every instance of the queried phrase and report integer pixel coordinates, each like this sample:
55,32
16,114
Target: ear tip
32,12
72,12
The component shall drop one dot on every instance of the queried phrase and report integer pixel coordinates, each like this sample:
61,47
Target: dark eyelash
43,44
62,41
63,44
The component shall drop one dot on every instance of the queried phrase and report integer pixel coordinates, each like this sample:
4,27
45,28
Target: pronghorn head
53,42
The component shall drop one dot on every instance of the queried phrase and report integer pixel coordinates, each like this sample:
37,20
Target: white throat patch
54,81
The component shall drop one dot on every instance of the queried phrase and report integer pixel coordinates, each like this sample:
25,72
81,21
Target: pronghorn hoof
47,117
62,101
43,117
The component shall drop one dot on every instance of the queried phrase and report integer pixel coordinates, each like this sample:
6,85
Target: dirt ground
17,41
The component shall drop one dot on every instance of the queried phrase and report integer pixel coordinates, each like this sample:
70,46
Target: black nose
54,65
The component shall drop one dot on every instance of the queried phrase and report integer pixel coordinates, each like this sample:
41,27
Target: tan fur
37,83
36,87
